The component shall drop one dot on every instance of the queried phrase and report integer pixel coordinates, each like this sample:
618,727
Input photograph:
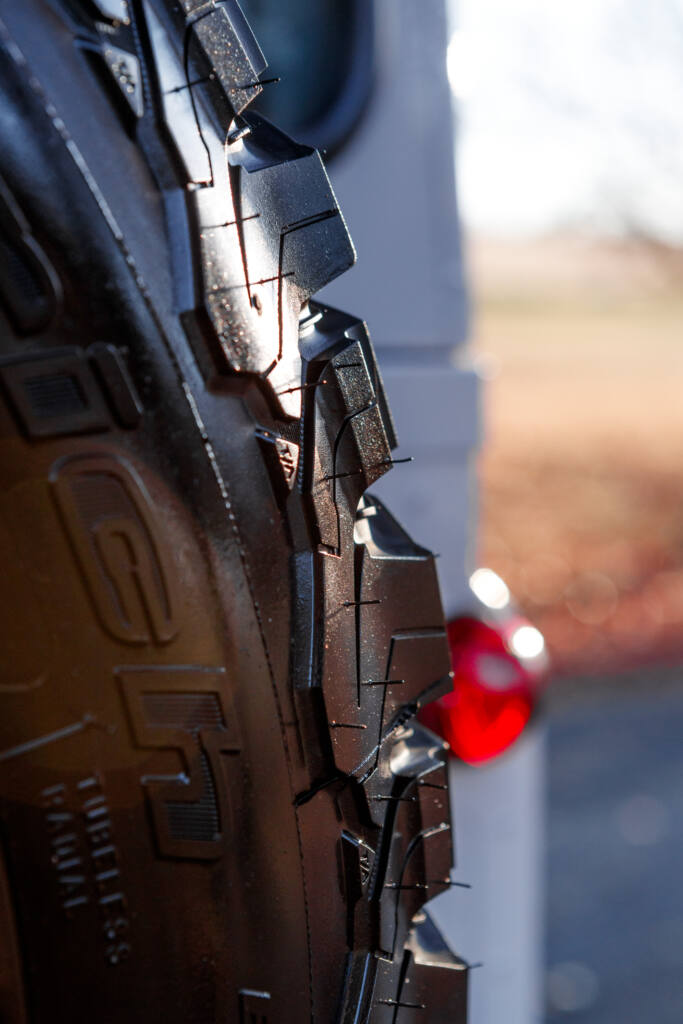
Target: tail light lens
498,668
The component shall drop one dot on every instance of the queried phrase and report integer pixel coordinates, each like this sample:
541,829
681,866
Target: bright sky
571,115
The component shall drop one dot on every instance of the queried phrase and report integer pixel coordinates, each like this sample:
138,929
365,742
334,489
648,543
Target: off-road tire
216,804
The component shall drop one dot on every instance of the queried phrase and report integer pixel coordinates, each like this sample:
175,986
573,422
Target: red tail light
498,668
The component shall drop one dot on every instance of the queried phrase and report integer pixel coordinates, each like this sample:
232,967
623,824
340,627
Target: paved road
615,854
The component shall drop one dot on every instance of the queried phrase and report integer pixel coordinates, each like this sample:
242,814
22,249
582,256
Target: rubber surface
215,801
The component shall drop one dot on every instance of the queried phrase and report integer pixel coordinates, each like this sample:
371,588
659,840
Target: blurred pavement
614,943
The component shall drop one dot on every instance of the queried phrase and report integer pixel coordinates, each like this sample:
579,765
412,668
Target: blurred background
569,163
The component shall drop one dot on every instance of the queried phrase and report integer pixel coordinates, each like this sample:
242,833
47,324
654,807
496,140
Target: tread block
60,392
434,859
124,68
110,44
431,984
352,444
387,698
305,235
55,394
117,383
356,1003
436,977
357,857
420,854
387,987
300,245
282,459
391,572
395,584
112,10
230,51
177,103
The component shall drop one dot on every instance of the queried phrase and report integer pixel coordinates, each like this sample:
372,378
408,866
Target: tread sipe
216,803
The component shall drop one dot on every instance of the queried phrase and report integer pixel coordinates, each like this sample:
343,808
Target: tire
216,802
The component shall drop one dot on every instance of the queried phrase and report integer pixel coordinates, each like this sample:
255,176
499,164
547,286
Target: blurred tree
571,116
